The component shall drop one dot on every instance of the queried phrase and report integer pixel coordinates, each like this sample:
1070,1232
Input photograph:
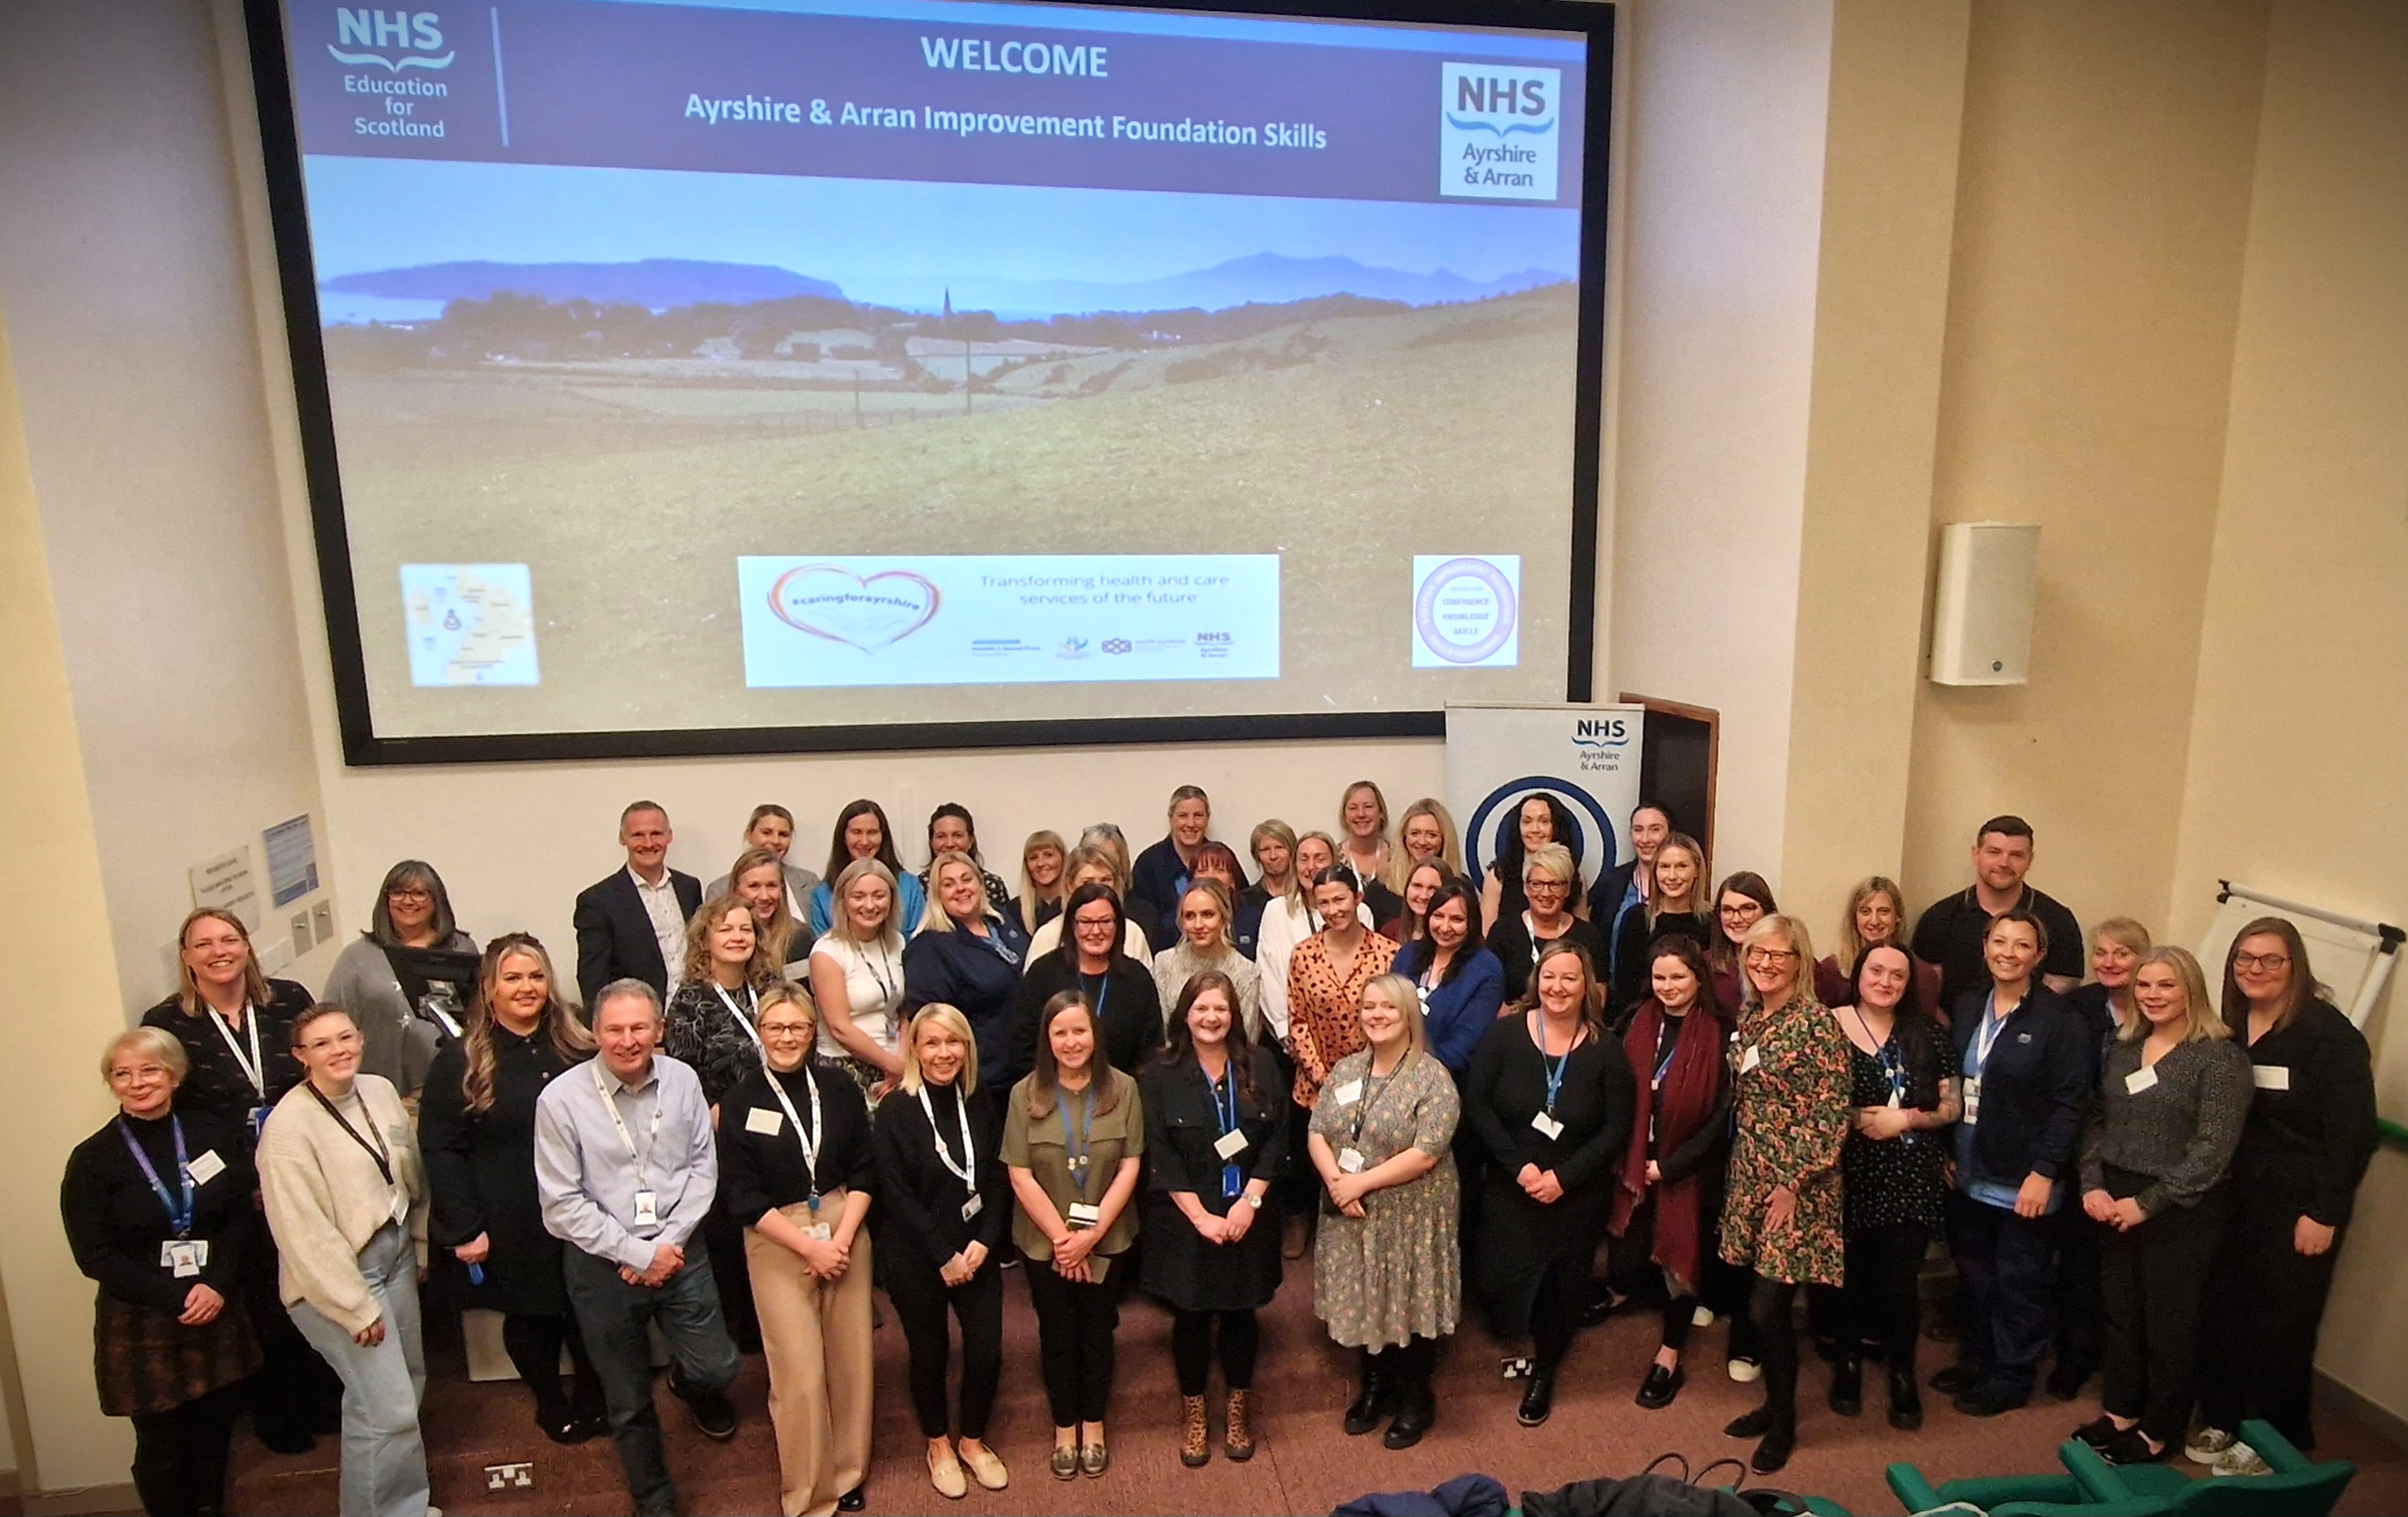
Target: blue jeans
615,1319
384,1458
2002,1270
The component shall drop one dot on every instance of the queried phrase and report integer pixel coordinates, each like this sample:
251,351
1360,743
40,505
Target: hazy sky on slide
882,240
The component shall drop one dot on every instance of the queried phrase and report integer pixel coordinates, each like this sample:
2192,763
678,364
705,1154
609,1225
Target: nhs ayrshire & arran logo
1497,130
390,40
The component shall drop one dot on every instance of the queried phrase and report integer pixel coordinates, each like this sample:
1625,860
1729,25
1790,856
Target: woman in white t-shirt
856,980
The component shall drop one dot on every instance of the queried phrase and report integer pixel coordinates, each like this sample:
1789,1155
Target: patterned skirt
861,1072
145,1361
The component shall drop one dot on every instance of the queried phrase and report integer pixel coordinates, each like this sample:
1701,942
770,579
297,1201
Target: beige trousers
815,1335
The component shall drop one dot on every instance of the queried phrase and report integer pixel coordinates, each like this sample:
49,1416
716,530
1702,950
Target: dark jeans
2259,1361
2001,1271
1630,1267
921,1299
2155,1279
2081,1321
180,1455
1773,1307
533,1342
1192,1350
615,1319
1883,1306
1075,1326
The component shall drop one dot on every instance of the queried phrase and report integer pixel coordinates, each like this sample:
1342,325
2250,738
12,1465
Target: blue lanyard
1664,1061
1986,1033
1075,1145
180,1218
992,941
1232,1178
1103,988
1556,1069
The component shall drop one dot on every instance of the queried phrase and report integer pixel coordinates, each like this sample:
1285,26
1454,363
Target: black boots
1537,1398
1376,1401
1906,1402
1847,1385
1416,1408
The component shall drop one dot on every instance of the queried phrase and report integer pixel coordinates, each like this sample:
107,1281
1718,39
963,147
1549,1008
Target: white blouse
873,987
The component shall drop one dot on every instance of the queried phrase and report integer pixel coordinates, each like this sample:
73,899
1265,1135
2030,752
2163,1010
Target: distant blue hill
656,284
1266,278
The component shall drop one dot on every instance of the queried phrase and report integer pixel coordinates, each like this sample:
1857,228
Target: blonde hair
780,931
1030,895
1094,855
1301,894
1398,993
787,993
1218,894
951,1019
933,916
758,969
188,994
1852,943
1553,860
1592,1001
1699,887
154,1041
840,920
1772,925
2202,1020
2124,930
1450,843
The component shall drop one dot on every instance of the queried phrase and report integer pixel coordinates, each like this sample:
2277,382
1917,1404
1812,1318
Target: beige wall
2299,747
2101,204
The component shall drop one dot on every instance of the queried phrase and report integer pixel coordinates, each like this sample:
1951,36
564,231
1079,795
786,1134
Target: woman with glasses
1741,901
796,1171
2309,1136
1781,1213
1119,990
381,977
1540,820
1549,885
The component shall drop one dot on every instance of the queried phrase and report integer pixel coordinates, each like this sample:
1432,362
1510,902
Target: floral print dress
1396,1274
1792,1070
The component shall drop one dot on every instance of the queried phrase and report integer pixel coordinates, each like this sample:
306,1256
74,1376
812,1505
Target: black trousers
724,1235
2155,1279
1884,1274
921,1299
1725,1288
1075,1326
1192,1350
1630,1267
2081,1321
533,1342
295,1391
1554,1315
1773,1307
180,1455
2260,1358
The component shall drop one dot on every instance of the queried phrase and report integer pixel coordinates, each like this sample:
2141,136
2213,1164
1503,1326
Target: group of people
1558,1095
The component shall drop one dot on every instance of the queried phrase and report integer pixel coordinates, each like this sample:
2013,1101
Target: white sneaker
1746,1372
2240,1460
2208,1444
1702,1317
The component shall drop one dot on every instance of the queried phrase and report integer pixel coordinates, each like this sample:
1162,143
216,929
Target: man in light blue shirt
627,1167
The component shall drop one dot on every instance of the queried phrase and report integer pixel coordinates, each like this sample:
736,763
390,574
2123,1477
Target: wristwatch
1254,1201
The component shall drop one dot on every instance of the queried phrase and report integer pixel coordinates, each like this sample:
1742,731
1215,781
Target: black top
1634,970
1156,881
920,1198
2312,1127
762,1171
1129,1018
1612,889
1901,1180
2036,1087
978,976
1182,1122
481,1170
614,937
1246,929
216,1086
116,1223
699,1030
1950,930
1511,943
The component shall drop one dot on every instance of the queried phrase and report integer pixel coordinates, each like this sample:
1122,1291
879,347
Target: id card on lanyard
967,1170
182,1255
1544,1121
1985,1038
254,1068
810,1138
1232,1139
647,1201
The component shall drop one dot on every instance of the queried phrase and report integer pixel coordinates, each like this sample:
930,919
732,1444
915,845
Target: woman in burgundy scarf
1667,1204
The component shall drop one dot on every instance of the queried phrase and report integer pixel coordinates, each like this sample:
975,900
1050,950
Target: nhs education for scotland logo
390,40
1497,129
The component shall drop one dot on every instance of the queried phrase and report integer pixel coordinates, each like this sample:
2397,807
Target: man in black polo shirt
1950,930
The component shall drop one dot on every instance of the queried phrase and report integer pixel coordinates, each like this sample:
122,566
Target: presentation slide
845,362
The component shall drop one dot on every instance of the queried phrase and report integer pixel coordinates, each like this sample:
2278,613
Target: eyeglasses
340,1040
1770,956
1535,885
1751,909
410,893
2247,961
786,1030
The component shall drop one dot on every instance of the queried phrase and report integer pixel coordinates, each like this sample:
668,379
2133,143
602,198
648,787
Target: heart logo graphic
866,612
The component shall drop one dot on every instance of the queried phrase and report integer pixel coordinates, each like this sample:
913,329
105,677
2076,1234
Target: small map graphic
470,623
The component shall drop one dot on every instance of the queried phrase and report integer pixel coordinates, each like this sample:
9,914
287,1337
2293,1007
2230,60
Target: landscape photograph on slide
628,380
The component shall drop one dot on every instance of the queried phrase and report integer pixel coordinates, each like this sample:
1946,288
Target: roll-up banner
1587,756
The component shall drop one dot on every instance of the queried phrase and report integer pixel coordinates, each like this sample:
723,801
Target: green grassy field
1309,441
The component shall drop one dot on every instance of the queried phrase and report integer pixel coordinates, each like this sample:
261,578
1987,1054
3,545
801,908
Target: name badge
1230,1145
183,1257
971,1208
2270,1076
766,1122
207,1167
257,1116
1349,1162
1349,1093
1083,1215
1972,1113
1548,1127
1749,1060
819,1231
2141,1080
647,1209
400,1206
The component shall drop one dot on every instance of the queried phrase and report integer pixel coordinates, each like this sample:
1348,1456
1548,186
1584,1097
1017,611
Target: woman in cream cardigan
340,1173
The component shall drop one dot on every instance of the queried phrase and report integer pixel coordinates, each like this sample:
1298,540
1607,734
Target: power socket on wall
510,1476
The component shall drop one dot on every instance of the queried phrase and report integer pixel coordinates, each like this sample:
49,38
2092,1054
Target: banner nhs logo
1497,129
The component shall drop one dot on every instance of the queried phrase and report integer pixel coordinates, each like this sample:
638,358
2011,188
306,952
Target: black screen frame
280,147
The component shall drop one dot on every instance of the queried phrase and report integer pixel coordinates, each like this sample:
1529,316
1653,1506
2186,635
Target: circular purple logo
1465,612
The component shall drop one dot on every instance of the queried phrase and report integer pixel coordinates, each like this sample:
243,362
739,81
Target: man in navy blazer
632,925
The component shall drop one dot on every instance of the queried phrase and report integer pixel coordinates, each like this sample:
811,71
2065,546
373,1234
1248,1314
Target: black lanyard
382,1155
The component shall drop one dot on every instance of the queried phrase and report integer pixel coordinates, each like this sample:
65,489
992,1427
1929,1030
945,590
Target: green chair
2093,1487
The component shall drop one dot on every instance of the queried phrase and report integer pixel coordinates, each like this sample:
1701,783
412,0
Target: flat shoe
1065,1463
1657,1391
944,1472
1095,1460
986,1467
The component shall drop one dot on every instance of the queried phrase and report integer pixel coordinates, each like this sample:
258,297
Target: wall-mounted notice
226,883
292,860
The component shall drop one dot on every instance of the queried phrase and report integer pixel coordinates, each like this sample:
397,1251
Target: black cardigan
1183,1121
216,1086
1510,942
115,1223
919,1201
1634,971
1507,1086
759,1173
1129,1026
2306,1148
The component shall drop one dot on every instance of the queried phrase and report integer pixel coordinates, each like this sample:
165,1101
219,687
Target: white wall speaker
1981,620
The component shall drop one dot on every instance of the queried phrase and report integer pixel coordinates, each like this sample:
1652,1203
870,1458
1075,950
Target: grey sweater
2179,1130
